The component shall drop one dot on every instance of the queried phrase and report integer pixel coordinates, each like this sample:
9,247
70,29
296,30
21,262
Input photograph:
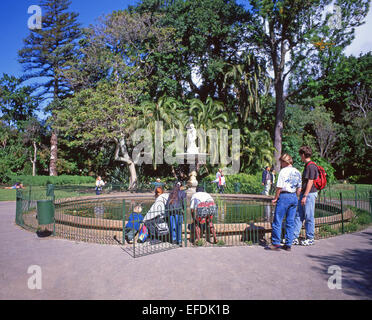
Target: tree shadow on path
356,267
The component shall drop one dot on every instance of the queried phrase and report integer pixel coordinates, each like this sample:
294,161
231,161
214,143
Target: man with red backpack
311,181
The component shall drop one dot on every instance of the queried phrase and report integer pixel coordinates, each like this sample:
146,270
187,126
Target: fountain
192,156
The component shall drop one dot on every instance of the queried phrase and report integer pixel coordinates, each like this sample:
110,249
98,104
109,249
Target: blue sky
13,24
14,17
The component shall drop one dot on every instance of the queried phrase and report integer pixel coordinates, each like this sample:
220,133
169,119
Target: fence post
19,209
29,198
370,202
342,213
356,197
123,210
185,220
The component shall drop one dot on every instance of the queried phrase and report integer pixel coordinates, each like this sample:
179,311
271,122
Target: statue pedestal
192,161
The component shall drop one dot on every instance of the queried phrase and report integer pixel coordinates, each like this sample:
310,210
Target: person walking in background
18,185
288,188
220,181
99,184
306,205
158,183
266,180
273,183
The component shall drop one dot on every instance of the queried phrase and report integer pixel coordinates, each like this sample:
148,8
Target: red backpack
321,181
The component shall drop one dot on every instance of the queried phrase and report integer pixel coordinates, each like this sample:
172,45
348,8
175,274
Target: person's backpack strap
321,181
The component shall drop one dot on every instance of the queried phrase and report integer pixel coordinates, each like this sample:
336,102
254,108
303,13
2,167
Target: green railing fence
80,215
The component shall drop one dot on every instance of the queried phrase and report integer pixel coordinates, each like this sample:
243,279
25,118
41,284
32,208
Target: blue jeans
286,206
176,221
306,213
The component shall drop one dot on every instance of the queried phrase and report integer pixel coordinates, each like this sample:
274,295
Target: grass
347,190
360,221
39,193
7,195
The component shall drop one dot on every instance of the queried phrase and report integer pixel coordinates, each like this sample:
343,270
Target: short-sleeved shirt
310,173
289,179
199,197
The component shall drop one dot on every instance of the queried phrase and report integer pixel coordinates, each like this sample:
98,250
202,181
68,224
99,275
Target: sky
14,18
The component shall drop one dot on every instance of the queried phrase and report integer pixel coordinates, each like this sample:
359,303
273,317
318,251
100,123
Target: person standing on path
220,181
306,206
99,184
273,182
175,208
288,188
266,180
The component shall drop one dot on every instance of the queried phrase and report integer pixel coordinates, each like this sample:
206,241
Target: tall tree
344,90
117,50
16,103
286,34
44,57
209,34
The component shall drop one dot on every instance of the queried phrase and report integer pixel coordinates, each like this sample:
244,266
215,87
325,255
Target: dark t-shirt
310,173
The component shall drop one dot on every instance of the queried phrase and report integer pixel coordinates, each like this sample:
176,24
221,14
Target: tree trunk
120,146
280,111
34,159
53,155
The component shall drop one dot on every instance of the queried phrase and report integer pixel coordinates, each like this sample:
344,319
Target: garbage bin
45,216
237,186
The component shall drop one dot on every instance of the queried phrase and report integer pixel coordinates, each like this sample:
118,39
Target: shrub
248,183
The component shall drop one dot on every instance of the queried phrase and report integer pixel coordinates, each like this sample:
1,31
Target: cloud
363,40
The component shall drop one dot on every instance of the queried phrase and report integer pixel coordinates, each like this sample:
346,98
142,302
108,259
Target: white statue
191,138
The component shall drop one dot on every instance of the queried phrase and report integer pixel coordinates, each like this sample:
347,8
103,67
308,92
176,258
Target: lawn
39,193
7,195
348,191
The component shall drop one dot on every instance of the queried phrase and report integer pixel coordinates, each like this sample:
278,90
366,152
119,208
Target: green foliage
16,103
44,180
141,64
13,153
327,167
327,230
362,217
220,243
250,184
257,150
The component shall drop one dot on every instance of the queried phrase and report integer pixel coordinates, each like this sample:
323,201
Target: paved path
72,270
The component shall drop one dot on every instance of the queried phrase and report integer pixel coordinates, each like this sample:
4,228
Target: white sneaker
283,241
307,242
295,242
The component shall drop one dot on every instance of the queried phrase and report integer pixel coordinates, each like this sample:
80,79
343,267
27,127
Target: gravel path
74,270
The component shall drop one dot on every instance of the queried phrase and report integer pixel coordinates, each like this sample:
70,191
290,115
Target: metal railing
82,216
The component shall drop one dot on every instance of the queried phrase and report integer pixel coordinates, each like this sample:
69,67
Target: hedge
44,180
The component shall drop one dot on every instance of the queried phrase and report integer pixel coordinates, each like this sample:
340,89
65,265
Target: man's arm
277,193
307,190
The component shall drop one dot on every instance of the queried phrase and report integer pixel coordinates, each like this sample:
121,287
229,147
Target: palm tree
208,115
257,151
248,82
166,109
